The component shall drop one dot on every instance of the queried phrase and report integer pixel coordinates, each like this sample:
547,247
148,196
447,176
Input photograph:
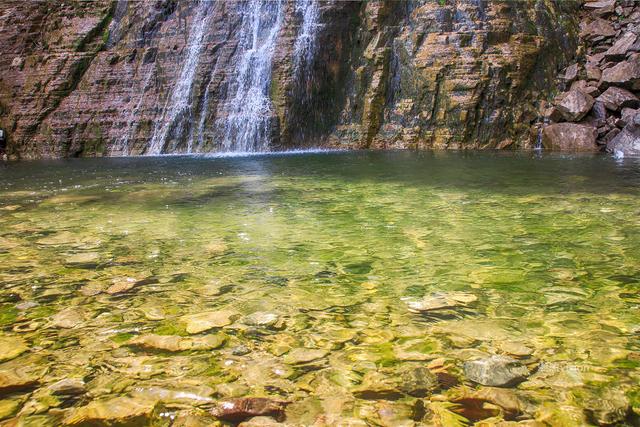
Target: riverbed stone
174,343
440,301
609,407
302,355
240,409
68,387
83,260
12,380
68,318
11,347
201,322
569,137
497,371
121,285
262,319
575,105
112,412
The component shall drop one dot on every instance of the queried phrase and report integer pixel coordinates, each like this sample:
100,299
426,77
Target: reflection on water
353,286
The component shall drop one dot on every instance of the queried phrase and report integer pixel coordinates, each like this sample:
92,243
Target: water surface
331,250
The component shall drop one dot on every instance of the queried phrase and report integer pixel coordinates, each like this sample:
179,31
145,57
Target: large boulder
616,98
569,137
627,142
575,105
625,74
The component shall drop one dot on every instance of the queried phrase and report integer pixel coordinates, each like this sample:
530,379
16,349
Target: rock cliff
100,77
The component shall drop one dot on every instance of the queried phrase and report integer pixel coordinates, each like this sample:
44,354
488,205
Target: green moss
8,314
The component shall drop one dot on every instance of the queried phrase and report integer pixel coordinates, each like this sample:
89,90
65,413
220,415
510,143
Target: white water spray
178,107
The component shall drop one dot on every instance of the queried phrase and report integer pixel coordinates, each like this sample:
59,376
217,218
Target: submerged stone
68,318
262,319
298,356
84,259
121,284
11,347
174,343
116,411
441,301
68,387
497,371
12,380
609,407
201,322
240,409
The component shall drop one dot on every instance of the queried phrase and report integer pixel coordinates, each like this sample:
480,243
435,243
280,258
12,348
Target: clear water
336,246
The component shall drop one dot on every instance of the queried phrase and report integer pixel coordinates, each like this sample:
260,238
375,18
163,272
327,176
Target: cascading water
178,108
305,45
246,120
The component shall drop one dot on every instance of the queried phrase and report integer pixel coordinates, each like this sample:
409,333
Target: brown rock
240,409
14,380
575,105
621,47
472,402
569,137
625,74
601,7
598,28
571,73
593,72
616,98
114,412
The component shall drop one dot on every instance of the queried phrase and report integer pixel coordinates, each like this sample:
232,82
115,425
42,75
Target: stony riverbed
385,289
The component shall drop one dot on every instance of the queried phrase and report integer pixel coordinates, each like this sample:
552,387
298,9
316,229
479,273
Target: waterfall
178,108
305,45
246,119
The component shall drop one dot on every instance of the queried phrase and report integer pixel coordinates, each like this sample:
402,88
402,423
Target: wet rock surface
247,407
397,74
497,371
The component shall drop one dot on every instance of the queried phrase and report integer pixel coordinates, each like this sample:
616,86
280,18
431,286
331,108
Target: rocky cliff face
117,77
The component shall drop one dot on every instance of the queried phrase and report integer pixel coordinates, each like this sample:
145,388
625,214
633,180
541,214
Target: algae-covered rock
116,411
11,347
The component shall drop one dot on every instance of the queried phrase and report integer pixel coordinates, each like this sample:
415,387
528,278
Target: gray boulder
627,142
496,371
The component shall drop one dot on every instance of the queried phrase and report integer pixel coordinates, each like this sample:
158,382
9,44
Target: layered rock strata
96,77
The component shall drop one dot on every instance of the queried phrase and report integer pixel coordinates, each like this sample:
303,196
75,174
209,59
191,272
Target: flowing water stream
246,121
177,113
355,286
